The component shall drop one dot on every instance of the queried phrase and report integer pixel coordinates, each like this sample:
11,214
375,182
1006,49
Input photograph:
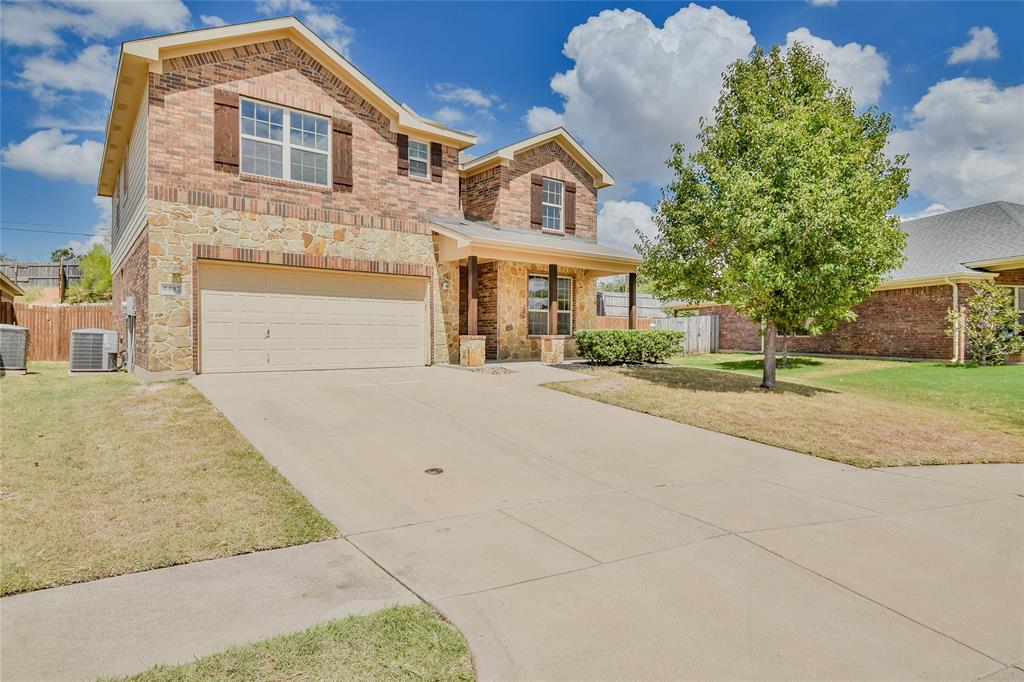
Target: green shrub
612,346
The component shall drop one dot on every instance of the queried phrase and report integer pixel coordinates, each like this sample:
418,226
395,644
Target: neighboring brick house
906,316
274,209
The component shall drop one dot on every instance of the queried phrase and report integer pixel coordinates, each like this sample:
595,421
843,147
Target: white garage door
257,318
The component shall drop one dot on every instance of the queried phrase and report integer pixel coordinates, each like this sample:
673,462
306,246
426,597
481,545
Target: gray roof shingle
941,244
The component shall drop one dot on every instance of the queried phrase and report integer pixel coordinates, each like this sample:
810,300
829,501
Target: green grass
862,412
398,643
991,393
103,476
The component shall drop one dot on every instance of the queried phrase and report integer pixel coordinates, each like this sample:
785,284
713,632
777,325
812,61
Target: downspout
958,323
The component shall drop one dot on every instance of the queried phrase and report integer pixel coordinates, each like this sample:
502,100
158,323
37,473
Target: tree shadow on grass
758,364
693,379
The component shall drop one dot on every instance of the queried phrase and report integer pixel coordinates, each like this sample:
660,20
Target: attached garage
264,318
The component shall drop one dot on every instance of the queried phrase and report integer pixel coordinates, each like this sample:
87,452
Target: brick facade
181,127
502,194
132,279
906,323
198,210
735,331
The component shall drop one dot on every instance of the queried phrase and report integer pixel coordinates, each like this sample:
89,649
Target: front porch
510,294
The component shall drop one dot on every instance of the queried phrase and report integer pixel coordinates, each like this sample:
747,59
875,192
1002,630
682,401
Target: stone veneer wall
513,341
174,229
132,279
502,194
447,292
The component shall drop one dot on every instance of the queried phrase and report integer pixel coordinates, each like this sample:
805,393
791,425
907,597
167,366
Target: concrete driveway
574,540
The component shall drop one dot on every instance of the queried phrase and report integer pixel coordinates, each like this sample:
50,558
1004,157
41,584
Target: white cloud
318,17
636,88
860,68
100,231
966,143
92,70
542,119
41,23
933,209
211,20
824,3
984,44
618,222
85,121
463,95
450,115
54,155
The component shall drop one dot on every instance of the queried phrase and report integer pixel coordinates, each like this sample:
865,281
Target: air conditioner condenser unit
93,350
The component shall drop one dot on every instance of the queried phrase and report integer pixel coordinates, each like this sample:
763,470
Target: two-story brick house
274,209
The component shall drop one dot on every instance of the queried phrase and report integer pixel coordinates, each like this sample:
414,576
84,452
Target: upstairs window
419,159
552,196
303,155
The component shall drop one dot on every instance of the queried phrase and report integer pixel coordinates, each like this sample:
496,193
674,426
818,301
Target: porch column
552,299
632,300
471,314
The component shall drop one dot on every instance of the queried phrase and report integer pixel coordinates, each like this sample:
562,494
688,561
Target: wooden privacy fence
621,322
50,326
701,331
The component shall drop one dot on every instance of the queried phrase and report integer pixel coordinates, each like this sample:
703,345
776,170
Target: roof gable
962,240
140,57
561,136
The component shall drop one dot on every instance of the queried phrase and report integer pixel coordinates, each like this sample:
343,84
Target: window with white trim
301,155
1018,300
419,159
552,200
537,305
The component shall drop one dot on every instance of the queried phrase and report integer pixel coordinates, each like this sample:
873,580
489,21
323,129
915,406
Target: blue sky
626,78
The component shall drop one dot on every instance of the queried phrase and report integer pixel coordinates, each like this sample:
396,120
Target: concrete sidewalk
124,625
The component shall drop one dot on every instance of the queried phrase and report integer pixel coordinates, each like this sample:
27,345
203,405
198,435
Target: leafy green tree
783,211
63,253
97,280
991,325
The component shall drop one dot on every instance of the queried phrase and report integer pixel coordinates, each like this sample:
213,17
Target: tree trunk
768,376
785,351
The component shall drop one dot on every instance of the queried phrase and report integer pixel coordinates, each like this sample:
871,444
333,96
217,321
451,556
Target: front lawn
103,476
862,412
399,643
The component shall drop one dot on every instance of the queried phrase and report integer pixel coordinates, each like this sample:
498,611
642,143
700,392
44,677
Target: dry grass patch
855,428
102,476
399,643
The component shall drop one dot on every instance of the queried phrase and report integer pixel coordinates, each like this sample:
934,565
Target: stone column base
552,349
472,350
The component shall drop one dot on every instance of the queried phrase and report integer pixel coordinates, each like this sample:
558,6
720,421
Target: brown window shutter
436,161
536,196
570,207
225,130
403,154
341,164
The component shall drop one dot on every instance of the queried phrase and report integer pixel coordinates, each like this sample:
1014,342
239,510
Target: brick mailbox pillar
472,352
552,349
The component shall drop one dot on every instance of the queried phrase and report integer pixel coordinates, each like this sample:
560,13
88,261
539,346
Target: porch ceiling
461,238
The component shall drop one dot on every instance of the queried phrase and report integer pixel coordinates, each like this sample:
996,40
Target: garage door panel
315,320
